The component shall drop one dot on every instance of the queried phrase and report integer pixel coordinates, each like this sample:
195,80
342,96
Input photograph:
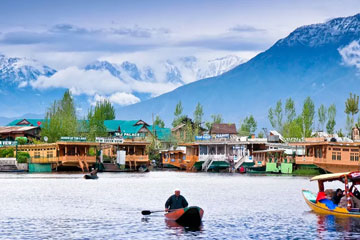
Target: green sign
130,135
8,143
73,139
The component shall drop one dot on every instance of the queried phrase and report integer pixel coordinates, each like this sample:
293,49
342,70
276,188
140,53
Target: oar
148,212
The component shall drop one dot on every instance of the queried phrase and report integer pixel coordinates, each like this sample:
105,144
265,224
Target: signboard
130,135
73,139
8,143
223,135
108,140
202,138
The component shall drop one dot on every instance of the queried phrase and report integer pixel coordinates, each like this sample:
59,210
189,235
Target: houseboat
184,157
334,155
62,154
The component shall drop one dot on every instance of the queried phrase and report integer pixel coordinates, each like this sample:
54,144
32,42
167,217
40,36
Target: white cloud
81,82
94,82
123,99
119,98
351,54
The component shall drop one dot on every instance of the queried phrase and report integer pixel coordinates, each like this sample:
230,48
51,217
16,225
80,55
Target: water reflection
348,227
174,225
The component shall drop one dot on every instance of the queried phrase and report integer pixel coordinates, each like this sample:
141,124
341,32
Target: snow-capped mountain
320,60
320,34
19,71
182,70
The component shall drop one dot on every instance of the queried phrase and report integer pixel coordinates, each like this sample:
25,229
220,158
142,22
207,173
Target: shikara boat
89,176
187,217
320,204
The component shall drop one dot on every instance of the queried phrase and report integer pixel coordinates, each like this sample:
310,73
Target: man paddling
176,201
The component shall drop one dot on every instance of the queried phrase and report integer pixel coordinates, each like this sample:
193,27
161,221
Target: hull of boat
321,208
190,216
87,176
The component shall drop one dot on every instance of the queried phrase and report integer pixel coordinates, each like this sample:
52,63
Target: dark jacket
175,202
336,199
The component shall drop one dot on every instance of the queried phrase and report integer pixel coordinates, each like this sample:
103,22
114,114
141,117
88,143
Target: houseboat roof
16,129
233,142
125,126
269,150
223,128
329,177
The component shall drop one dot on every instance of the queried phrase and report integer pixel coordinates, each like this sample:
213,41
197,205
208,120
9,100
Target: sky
68,35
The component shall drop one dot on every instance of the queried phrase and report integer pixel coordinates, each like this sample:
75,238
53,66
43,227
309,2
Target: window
345,150
354,156
333,156
338,156
355,150
49,154
36,154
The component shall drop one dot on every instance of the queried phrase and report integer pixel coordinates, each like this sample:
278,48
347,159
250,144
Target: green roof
163,134
126,126
31,122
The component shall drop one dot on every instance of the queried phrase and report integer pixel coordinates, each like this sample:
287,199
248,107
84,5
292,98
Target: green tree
248,126
60,119
261,135
293,129
290,110
95,125
159,122
351,108
198,115
330,125
178,117
106,109
349,124
215,118
275,116
307,115
322,115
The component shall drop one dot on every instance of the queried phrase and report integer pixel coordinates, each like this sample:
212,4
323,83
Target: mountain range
319,60
19,97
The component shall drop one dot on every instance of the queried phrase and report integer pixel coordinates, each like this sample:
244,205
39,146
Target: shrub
7,152
22,157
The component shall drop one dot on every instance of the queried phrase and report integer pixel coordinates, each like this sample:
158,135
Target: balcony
137,158
69,159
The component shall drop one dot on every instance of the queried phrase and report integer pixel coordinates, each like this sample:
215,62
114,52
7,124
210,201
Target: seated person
343,202
337,196
329,193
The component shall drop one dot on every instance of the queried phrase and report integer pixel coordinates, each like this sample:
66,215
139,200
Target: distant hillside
313,60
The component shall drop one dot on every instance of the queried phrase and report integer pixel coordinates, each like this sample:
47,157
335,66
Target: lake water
65,206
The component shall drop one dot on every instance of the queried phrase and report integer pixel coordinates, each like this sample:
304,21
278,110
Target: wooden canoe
88,176
188,217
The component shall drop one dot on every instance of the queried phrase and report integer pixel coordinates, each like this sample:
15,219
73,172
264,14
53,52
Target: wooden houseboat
184,157
47,157
331,155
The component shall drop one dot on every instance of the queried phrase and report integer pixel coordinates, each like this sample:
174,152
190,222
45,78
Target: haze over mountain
319,60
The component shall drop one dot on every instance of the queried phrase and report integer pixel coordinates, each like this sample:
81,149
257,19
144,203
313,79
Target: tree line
61,119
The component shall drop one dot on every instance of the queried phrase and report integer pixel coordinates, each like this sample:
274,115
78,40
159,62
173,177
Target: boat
187,217
89,176
322,205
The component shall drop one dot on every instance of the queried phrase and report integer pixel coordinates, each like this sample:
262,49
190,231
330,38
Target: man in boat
93,172
176,201
337,196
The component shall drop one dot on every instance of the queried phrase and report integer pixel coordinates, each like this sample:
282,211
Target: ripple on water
65,206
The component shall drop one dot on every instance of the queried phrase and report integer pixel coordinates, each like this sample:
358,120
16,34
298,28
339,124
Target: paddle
148,212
